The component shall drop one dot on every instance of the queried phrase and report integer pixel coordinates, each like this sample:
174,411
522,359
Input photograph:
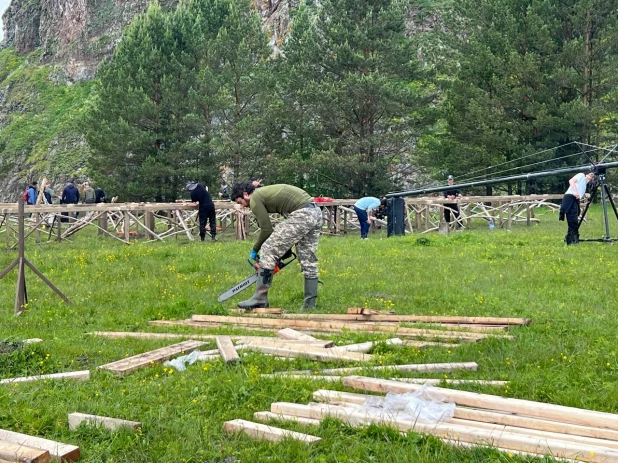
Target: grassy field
567,356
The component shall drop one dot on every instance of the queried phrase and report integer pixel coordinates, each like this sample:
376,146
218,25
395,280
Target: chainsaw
237,288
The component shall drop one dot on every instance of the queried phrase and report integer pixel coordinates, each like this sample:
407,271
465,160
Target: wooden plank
139,335
265,432
313,353
259,311
337,326
367,346
381,316
129,365
534,444
270,416
204,325
76,418
534,423
435,382
64,452
417,367
226,349
424,344
289,333
301,377
523,407
287,342
76,375
22,453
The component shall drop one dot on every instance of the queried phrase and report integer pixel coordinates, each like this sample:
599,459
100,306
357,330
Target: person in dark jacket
70,195
206,209
33,193
99,195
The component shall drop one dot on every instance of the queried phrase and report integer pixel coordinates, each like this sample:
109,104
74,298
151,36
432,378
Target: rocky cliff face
50,53
78,34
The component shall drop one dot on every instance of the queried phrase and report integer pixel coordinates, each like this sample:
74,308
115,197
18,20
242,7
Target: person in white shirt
570,205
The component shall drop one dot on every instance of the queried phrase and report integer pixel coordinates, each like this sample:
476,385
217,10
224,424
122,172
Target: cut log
22,453
318,343
418,367
491,402
313,353
367,346
129,365
439,319
64,452
76,375
76,418
265,432
270,416
498,438
337,326
226,349
289,333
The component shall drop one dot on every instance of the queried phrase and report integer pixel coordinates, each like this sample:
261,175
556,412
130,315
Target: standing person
89,194
570,205
49,193
225,190
33,193
452,193
363,208
70,195
99,195
301,227
206,209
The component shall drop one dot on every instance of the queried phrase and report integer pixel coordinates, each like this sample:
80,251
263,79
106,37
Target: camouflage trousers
301,228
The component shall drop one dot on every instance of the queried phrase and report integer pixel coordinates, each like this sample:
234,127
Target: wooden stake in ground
227,350
262,431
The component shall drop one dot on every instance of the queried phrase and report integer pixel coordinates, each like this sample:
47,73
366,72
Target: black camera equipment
600,184
396,209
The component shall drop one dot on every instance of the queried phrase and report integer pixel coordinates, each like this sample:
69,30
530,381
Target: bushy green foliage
519,78
42,119
566,356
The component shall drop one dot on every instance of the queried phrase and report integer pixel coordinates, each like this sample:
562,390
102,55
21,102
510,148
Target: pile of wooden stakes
512,425
449,329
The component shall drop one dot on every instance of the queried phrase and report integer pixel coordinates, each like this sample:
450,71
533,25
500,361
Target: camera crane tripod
396,205
600,184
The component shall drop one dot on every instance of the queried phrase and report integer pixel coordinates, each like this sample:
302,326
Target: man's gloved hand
253,255
287,254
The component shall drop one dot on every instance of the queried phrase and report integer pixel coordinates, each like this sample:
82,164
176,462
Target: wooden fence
160,221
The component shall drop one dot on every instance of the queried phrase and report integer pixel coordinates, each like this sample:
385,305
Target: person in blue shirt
363,208
33,193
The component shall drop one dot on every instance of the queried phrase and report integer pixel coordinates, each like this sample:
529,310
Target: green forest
363,97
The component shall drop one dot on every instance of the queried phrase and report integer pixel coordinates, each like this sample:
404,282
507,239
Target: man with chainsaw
301,227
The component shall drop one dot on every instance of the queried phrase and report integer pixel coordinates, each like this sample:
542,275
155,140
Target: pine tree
355,94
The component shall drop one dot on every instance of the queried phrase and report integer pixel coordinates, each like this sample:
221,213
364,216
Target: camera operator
570,205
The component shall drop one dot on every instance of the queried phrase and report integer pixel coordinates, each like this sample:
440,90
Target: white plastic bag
423,406
179,362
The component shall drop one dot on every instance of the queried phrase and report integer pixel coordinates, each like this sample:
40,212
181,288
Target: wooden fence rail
160,221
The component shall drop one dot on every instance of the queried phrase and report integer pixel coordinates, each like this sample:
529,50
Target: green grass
567,356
